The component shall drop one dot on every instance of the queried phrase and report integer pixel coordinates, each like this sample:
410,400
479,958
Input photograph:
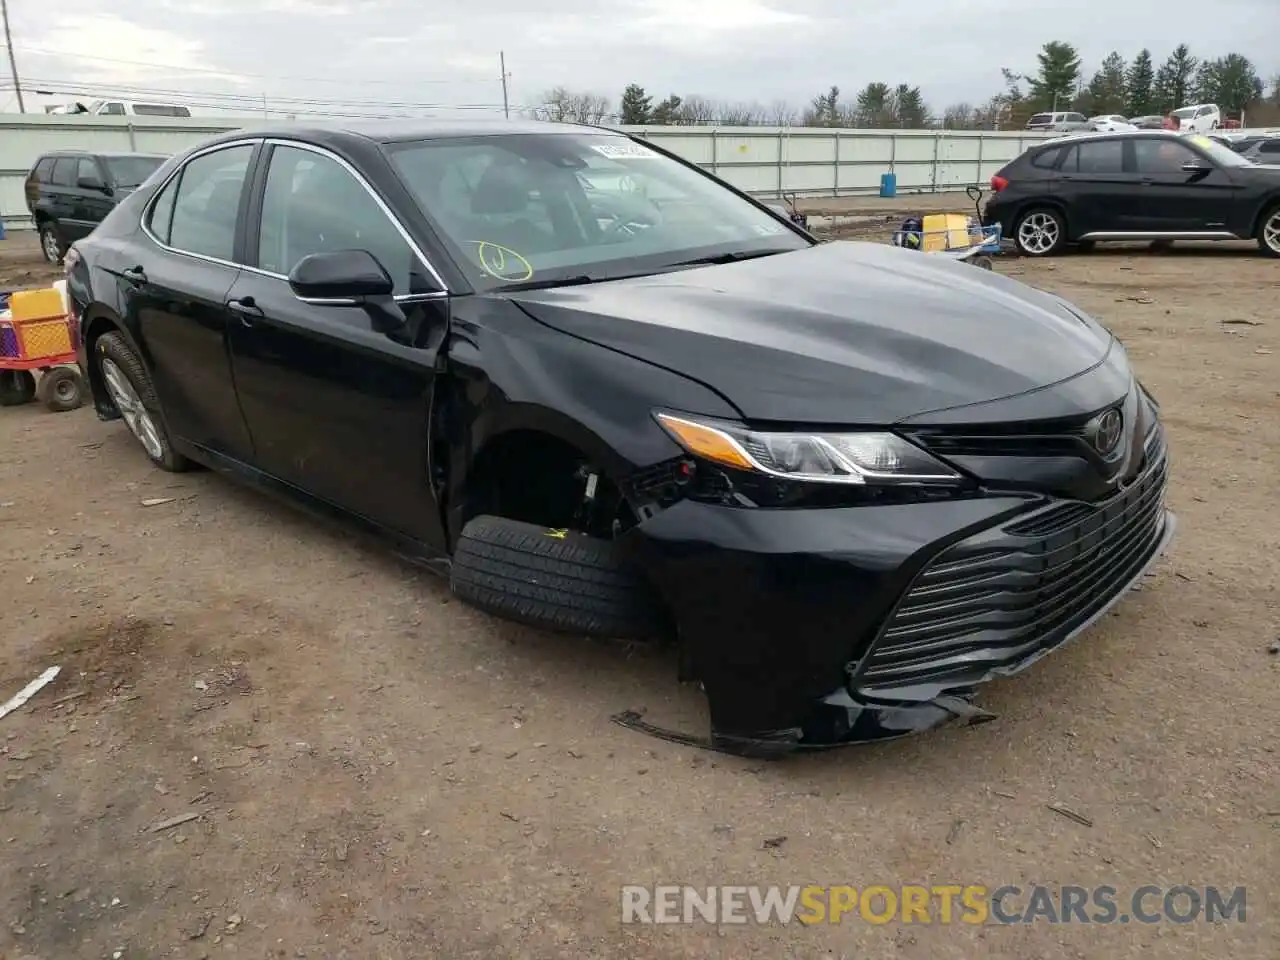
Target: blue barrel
888,184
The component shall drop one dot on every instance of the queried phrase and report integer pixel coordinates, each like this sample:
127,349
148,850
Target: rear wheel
51,244
1269,232
555,579
16,387
129,385
1040,232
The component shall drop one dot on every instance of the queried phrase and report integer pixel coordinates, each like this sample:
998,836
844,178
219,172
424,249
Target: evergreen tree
636,106
1139,85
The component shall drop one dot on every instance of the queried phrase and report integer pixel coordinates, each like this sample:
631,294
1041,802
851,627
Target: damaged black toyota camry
606,393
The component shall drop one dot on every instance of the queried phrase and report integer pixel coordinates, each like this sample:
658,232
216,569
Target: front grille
1045,438
1003,594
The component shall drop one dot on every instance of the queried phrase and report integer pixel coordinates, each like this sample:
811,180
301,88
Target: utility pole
502,64
13,63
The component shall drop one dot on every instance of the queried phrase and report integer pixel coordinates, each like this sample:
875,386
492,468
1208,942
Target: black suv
1144,186
69,192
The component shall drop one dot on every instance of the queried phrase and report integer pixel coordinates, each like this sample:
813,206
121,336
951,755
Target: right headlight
872,457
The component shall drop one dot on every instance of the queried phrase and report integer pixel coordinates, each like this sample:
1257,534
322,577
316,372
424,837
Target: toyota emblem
1106,432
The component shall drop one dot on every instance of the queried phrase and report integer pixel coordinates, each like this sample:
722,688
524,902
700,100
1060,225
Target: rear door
58,198
178,290
1099,192
335,407
1174,200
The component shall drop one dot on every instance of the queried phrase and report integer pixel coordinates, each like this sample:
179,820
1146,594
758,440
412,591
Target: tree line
1132,88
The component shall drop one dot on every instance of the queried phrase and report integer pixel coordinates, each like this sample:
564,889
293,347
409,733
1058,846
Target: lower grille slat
1006,593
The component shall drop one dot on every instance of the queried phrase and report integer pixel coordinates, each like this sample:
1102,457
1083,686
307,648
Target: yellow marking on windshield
502,263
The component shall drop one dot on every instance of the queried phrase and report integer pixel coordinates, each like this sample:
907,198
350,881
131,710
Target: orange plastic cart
35,336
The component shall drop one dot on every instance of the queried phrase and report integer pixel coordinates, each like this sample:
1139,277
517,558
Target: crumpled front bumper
779,610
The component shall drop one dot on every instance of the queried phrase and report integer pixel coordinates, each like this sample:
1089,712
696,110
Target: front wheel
1040,232
554,579
1269,232
130,388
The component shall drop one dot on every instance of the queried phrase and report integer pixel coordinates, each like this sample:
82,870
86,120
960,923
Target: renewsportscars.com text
937,904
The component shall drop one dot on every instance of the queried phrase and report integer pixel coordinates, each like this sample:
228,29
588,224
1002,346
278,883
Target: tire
16,387
112,353
61,389
553,579
1269,232
51,244
1040,232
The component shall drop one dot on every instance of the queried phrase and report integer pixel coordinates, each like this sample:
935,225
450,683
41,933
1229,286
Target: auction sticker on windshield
624,151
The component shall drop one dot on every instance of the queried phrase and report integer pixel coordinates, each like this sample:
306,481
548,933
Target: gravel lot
381,773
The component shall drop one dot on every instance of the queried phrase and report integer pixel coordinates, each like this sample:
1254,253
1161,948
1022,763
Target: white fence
765,161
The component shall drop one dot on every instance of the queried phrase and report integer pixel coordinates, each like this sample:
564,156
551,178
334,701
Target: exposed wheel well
538,478
96,327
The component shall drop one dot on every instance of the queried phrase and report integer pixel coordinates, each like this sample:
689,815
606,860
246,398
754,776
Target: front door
337,408
177,299
1175,200
1092,178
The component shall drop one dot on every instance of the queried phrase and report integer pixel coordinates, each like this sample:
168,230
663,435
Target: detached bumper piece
993,604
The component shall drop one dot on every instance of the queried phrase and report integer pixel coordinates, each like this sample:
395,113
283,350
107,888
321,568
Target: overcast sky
412,53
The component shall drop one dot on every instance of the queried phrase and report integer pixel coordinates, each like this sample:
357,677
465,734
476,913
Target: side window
161,215
44,170
1097,157
1204,111
1269,146
113,110
64,172
313,204
86,167
207,202
1046,159
1162,157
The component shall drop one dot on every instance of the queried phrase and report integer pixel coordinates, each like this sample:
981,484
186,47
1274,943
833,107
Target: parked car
814,464
1058,122
1264,149
1146,185
69,192
1149,122
1200,118
122,108
1110,123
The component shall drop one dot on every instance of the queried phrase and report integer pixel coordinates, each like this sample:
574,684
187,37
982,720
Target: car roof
402,130
84,152
1118,135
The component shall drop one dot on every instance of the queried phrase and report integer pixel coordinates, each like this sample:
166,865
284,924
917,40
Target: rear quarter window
43,169
1046,159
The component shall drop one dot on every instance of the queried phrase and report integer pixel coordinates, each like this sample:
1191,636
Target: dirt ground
377,772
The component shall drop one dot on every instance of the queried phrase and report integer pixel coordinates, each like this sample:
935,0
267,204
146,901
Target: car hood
838,333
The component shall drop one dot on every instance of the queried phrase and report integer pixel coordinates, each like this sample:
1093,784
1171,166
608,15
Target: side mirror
92,183
346,277
349,278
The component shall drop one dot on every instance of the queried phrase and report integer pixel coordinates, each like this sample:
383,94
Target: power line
101,90
45,51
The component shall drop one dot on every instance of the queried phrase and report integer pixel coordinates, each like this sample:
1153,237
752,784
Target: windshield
132,171
1185,113
1219,153
540,208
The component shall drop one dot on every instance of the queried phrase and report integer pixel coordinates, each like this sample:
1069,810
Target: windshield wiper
733,256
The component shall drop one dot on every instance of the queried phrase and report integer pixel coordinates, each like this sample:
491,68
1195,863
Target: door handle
247,309
134,275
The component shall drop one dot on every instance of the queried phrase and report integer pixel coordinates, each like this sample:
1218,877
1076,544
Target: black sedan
852,481
1144,186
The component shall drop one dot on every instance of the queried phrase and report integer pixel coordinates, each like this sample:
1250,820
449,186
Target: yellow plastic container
945,231
46,304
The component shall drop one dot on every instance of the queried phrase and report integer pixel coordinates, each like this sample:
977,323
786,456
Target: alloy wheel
1038,233
136,416
49,245
1271,233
